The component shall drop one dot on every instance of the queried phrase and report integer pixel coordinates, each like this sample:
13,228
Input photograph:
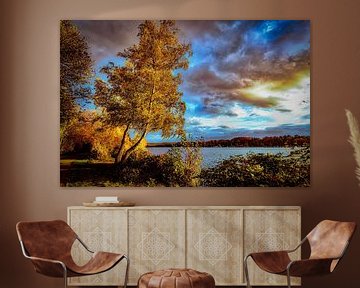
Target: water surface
212,155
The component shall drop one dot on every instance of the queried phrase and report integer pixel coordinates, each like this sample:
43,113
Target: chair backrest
329,239
46,239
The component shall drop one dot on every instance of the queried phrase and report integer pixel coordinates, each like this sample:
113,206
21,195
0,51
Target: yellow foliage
103,140
142,95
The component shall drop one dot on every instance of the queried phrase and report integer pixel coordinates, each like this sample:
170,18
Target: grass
82,172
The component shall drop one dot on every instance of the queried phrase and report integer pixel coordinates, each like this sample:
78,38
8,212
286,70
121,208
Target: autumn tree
75,73
143,94
89,134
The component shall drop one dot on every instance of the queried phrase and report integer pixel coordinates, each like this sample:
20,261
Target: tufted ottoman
176,278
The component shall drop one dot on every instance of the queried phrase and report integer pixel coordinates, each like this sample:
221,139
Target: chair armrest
48,267
45,260
298,246
268,253
271,261
309,267
84,245
280,251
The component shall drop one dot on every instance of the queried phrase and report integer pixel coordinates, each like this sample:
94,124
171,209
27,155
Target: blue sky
246,78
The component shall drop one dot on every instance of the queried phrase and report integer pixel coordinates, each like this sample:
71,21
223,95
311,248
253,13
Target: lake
212,155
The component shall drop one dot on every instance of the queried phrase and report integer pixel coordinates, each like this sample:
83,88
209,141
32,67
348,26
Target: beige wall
29,112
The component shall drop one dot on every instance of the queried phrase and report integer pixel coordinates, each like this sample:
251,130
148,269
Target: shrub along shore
182,168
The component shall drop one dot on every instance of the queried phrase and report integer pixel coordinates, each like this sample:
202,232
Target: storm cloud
246,77
108,37
217,87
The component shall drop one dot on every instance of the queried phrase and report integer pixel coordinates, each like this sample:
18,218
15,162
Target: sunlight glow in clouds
245,78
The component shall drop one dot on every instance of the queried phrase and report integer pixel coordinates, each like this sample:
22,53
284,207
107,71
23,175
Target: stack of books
106,199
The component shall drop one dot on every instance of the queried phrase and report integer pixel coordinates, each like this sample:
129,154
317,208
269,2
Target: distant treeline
270,141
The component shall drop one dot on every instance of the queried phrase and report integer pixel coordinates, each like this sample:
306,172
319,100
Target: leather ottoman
176,278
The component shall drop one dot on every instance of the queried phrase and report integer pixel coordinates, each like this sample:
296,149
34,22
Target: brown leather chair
328,242
48,245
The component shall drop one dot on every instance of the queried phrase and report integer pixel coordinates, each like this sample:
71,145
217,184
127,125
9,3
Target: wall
29,111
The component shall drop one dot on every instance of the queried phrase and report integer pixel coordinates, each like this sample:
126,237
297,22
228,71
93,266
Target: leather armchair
48,245
328,242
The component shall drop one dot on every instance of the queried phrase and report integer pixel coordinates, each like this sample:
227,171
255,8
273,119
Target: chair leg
246,270
127,271
288,278
65,276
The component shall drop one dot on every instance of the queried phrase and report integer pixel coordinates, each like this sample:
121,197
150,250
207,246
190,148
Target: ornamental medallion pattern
213,243
270,230
213,246
155,246
156,241
270,241
99,240
101,230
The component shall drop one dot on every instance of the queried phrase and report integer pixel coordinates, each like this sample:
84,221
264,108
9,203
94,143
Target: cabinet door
214,244
271,230
101,230
156,240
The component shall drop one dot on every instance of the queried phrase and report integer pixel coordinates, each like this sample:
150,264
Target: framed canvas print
182,103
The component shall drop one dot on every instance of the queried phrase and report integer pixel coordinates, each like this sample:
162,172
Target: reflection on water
212,155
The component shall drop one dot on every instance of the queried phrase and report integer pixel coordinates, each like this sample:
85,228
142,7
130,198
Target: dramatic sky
246,78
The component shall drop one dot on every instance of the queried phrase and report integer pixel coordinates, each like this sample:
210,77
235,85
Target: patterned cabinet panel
210,239
214,244
269,230
156,240
101,230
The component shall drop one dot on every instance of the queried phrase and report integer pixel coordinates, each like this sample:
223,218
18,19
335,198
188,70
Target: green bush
179,167
260,170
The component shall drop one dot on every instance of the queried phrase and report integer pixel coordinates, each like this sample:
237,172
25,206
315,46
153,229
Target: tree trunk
122,157
128,152
120,153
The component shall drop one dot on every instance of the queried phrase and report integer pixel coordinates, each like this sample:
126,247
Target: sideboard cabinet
212,239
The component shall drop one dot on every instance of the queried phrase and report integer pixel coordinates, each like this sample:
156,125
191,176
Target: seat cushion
176,278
